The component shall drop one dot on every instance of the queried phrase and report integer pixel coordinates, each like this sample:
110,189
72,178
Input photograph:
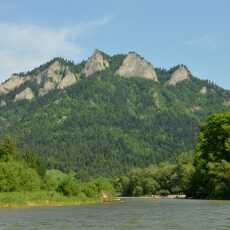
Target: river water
130,213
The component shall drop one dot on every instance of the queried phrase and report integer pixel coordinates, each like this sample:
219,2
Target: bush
53,179
69,186
16,176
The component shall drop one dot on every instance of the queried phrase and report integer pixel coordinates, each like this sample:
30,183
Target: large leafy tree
212,159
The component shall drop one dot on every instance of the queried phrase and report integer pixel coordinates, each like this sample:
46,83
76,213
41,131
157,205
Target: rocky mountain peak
57,75
136,66
12,83
97,62
181,73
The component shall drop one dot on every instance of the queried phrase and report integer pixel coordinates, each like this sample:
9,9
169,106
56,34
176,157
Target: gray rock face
12,83
180,74
3,103
95,63
135,66
68,80
26,94
204,90
226,103
195,109
56,76
50,78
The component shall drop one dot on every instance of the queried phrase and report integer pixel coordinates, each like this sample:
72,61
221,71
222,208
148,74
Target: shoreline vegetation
47,199
202,174
26,181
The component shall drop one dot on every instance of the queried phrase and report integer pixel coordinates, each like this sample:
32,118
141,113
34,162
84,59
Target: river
130,214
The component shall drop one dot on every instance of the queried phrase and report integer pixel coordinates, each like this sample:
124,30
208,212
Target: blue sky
194,33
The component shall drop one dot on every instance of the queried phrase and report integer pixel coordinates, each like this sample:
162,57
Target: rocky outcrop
56,76
180,74
136,66
204,90
26,94
97,62
226,103
195,109
48,86
3,103
50,78
12,83
68,80
55,72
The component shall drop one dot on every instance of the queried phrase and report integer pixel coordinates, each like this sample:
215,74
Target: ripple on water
134,214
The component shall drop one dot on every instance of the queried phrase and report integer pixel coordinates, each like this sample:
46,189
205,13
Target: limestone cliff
135,66
68,80
12,83
180,74
55,75
204,90
97,62
26,94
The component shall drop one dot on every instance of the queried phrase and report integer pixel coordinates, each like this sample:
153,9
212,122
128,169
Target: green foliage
97,186
163,179
16,176
69,186
42,198
185,171
7,148
34,161
212,159
53,179
22,171
105,125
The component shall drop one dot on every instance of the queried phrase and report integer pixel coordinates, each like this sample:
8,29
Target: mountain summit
181,73
134,65
59,74
96,63
107,114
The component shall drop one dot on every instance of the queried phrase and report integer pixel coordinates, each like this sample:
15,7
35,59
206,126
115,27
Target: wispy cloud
206,41
25,46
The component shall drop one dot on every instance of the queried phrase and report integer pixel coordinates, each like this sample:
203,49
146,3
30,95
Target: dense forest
24,178
205,174
105,124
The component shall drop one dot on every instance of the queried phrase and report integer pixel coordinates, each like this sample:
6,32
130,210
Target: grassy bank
42,198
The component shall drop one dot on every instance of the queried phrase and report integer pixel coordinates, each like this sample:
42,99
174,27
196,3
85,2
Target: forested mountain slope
107,114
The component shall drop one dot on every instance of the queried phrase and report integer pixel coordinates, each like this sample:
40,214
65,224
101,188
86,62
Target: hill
108,113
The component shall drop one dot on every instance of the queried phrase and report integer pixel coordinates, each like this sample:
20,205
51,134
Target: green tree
53,179
212,158
69,186
185,171
16,176
150,186
34,161
7,148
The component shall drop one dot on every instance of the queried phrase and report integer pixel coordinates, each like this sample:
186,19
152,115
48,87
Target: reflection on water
131,214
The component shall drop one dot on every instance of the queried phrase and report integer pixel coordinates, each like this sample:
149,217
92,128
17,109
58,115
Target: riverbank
156,197
43,199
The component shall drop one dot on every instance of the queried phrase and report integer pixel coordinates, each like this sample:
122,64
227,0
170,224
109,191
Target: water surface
131,214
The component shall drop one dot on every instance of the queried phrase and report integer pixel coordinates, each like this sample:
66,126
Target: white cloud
26,46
